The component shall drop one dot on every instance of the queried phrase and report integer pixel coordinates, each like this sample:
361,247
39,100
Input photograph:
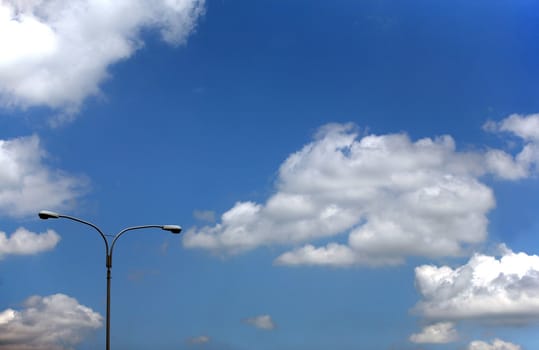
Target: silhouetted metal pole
108,308
45,214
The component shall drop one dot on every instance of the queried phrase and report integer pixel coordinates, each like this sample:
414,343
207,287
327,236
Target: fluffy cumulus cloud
503,290
393,196
54,322
526,162
496,344
56,52
438,333
28,185
24,242
264,322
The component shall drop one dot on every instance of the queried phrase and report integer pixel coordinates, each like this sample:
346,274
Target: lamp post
46,214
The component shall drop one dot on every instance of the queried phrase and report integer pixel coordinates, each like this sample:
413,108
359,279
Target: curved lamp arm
45,214
171,228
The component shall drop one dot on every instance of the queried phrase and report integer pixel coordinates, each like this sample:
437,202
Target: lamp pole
46,214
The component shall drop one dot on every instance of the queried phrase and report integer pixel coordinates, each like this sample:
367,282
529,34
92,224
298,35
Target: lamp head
46,214
172,228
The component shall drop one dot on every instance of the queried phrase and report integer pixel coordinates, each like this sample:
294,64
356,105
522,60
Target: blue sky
348,175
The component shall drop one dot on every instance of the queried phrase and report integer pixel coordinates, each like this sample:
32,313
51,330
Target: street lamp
46,214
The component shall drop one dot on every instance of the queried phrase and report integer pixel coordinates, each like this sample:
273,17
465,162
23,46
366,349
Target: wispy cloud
204,215
27,185
438,333
140,275
264,322
496,344
202,339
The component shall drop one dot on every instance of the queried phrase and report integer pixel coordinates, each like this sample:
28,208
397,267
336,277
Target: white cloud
24,242
261,322
394,197
202,339
55,322
526,162
524,126
496,344
27,185
505,166
438,333
504,290
55,53
332,255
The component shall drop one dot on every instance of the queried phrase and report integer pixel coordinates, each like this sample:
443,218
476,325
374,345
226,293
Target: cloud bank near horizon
497,344
54,322
486,289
